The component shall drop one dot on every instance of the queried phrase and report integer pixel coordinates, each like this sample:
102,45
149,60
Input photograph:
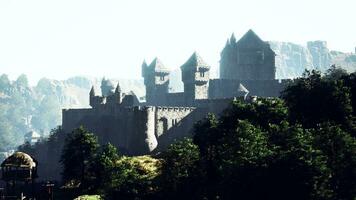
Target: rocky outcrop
25,108
293,59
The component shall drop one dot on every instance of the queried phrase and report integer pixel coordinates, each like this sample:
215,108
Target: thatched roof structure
20,160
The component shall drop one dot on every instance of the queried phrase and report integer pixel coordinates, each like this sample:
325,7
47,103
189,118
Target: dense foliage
78,154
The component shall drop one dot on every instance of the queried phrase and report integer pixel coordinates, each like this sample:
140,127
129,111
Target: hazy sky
63,38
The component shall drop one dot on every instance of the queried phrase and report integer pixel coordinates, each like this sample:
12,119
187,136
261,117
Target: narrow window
201,74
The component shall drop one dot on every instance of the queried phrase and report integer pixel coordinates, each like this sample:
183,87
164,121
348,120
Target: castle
247,67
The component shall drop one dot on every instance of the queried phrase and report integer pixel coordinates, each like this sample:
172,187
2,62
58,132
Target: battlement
164,108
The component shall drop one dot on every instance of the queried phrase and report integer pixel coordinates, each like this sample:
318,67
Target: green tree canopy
79,150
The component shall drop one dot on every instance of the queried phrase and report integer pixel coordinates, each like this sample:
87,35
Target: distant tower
107,87
92,97
156,79
116,97
250,58
228,55
95,100
195,76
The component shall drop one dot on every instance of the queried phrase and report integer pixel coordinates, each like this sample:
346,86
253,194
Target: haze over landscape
178,99
91,38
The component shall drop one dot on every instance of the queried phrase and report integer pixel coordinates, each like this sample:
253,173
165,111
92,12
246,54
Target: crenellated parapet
112,98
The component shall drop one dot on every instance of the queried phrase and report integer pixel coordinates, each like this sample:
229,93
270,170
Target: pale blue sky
63,38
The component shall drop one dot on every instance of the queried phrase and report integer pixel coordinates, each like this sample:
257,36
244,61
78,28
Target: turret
195,76
143,68
116,97
95,100
107,87
232,39
156,79
92,92
118,88
92,101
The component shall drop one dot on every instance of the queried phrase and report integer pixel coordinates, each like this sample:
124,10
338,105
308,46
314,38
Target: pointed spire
92,91
232,39
227,43
118,88
158,66
195,60
103,80
144,64
250,37
143,68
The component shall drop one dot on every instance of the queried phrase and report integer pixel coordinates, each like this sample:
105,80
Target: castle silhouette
247,68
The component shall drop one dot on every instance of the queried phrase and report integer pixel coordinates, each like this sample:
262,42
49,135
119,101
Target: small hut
19,171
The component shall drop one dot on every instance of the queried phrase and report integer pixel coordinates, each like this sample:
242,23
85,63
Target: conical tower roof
158,66
144,64
118,88
196,61
250,38
232,39
144,68
92,91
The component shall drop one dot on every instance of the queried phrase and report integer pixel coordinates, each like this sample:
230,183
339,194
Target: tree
180,170
350,81
104,165
79,151
4,83
22,81
134,178
340,149
313,99
252,152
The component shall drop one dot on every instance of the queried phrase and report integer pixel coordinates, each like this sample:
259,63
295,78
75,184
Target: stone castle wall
140,130
261,88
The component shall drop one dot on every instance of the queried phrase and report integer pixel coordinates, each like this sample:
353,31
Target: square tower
195,76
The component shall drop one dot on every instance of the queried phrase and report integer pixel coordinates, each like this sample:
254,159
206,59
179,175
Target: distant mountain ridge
293,59
24,108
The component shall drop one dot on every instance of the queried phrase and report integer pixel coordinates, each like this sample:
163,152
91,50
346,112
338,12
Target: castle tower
92,95
250,58
116,97
195,76
94,100
227,55
156,79
107,87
